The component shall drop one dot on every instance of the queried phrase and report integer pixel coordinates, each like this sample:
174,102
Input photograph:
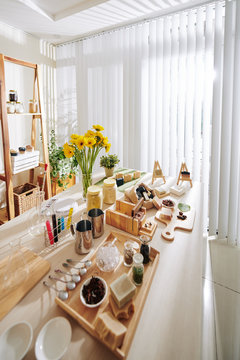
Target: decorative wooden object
87,317
7,176
184,177
125,217
9,297
157,172
175,223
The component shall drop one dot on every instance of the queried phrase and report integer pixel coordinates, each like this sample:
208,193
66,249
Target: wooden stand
157,172
182,177
7,176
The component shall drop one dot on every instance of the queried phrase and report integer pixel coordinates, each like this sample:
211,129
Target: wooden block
119,175
157,202
136,174
143,231
126,207
127,177
124,312
131,194
110,330
148,204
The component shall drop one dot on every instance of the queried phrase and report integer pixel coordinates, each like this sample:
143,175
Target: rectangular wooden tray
86,317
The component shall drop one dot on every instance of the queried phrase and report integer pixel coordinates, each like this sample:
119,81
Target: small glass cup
38,217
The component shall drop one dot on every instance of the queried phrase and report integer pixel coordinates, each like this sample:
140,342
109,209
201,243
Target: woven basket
24,197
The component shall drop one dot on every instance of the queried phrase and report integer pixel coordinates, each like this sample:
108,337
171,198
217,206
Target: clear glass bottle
128,253
19,107
94,197
109,191
137,269
10,107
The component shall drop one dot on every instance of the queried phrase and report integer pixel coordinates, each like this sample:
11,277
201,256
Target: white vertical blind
226,119
155,88
216,121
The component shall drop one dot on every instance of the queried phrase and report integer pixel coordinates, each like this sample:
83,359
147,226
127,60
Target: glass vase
86,182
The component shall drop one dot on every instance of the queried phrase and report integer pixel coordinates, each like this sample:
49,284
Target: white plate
15,341
53,339
86,282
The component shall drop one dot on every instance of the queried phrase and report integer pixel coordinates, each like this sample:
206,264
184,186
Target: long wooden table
170,325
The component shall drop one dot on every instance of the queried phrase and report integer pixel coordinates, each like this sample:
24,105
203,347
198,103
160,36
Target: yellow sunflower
89,142
80,142
90,133
68,150
98,127
107,147
74,137
105,140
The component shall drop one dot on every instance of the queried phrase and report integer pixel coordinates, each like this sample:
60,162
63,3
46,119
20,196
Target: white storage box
26,161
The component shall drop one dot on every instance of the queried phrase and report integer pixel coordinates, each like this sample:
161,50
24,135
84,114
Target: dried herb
94,291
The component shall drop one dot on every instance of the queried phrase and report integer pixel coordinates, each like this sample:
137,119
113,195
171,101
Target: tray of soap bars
103,322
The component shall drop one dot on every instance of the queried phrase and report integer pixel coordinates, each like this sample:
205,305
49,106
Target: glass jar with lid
94,197
109,191
13,96
33,106
10,107
19,107
137,269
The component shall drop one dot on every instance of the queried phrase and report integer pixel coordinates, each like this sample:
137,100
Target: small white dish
53,340
15,341
86,282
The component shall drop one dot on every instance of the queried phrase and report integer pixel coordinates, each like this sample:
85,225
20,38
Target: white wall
20,45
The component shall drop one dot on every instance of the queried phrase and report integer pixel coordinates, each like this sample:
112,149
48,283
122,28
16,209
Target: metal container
83,237
96,216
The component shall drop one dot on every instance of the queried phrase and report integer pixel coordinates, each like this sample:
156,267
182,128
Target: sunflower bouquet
85,149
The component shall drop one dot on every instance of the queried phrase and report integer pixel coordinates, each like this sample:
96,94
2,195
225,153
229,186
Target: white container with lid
109,191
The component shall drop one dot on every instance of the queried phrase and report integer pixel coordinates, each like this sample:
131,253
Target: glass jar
10,107
109,191
145,249
19,107
33,106
94,197
137,269
13,96
128,253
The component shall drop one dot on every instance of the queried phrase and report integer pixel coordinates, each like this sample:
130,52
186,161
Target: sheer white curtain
152,87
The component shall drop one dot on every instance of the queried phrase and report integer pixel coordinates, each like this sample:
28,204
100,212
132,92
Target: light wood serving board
10,296
169,232
86,317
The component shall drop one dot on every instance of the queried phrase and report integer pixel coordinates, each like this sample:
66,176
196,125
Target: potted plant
62,169
109,162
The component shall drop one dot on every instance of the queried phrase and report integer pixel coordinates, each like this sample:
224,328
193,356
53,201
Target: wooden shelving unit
7,176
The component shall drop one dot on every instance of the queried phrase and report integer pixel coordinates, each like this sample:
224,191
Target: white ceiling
61,20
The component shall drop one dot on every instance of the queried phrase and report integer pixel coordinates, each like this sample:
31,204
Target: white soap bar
122,290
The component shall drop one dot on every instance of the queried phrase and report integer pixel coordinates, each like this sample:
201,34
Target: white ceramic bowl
53,339
86,282
15,341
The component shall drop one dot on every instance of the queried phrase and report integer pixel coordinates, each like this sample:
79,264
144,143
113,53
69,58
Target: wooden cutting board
169,232
11,295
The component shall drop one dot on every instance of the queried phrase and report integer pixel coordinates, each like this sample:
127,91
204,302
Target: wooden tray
86,317
9,297
175,223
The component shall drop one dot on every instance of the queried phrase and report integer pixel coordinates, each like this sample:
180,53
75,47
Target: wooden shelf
26,114
7,176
